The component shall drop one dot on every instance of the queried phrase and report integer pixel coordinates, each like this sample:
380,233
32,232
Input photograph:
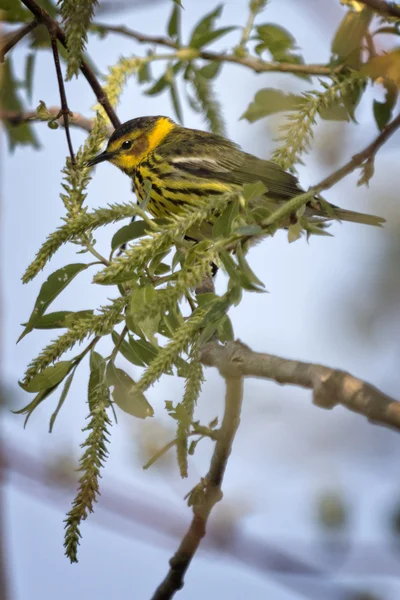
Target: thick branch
14,38
385,8
44,17
209,490
330,386
256,64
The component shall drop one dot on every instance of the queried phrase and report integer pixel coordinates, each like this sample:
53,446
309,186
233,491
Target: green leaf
249,230
140,297
96,378
178,2
176,103
254,190
14,12
383,110
270,101
205,25
277,40
347,43
174,23
38,399
48,378
62,399
143,349
294,232
223,225
210,70
159,86
128,351
249,279
156,261
61,319
128,233
144,75
29,68
23,133
51,288
126,393
210,36
384,65
225,330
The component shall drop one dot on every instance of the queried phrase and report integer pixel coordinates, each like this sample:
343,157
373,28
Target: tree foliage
159,318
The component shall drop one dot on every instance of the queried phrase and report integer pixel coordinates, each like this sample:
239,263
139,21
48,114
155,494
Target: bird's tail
355,217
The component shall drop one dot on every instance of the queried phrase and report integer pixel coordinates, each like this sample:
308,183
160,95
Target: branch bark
331,387
256,64
14,38
43,16
208,492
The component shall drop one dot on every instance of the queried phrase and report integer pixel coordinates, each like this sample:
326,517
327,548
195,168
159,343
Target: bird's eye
126,145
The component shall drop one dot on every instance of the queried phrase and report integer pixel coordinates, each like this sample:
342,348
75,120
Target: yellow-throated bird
185,166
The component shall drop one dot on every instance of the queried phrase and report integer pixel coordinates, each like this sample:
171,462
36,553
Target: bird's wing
213,157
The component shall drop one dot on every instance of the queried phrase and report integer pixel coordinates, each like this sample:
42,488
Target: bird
188,166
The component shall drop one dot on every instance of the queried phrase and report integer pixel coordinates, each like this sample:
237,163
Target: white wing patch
212,164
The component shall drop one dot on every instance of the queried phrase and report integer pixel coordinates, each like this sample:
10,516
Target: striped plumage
186,166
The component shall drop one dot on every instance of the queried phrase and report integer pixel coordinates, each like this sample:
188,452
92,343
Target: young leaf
268,102
254,190
210,70
48,378
126,394
62,399
128,351
208,37
174,24
143,349
129,232
51,288
383,110
176,103
223,225
61,319
29,67
205,25
384,65
38,399
347,43
249,279
225,330
277,40
294,232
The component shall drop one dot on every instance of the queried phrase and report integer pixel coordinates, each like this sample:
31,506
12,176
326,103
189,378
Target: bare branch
208,492
256,64
64,111
330,386
368,154
15,37
44,17
386,8
77,120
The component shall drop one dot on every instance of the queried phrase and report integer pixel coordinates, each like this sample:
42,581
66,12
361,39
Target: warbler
186,166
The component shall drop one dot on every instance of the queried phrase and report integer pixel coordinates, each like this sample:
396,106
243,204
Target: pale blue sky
286,451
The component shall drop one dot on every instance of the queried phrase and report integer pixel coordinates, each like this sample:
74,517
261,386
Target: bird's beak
99,158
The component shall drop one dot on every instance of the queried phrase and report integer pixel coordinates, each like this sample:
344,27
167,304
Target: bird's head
134,140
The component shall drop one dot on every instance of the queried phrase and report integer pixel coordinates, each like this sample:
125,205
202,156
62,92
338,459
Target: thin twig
330,386
359,159
15,37
256,64
43,16
77,120
385,8
64,111
211,489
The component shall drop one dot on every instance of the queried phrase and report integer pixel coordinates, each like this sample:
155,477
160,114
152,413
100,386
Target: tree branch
77,120
330,386
44,17
368,154
15,37
64,111
256,64
386,8
208,492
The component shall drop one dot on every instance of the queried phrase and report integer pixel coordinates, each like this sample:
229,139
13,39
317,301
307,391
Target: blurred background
311,504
